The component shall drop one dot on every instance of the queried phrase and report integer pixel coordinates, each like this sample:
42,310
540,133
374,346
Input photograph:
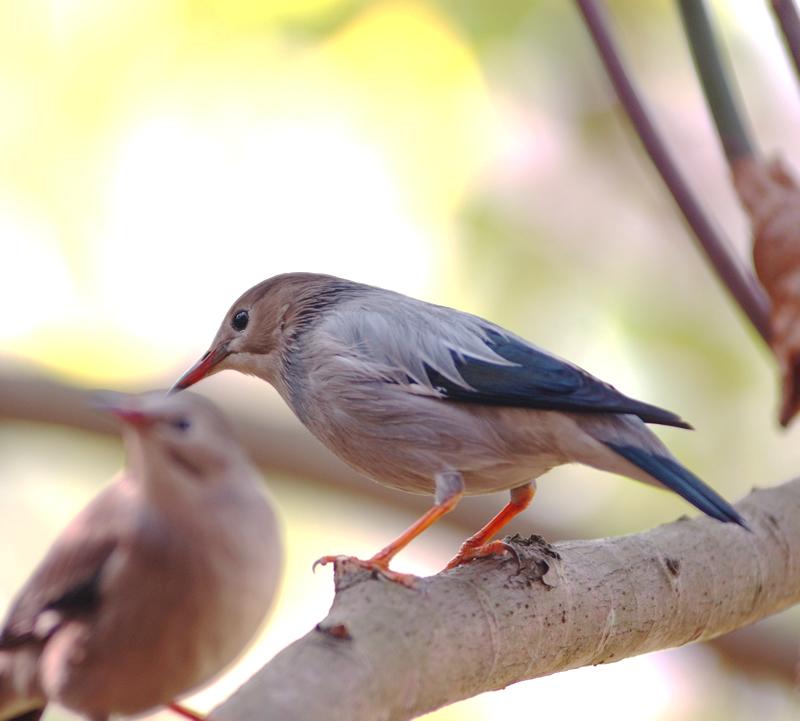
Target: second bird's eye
240,319
182,424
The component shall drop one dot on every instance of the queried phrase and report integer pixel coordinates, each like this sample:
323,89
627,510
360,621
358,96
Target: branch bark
389,653
280,449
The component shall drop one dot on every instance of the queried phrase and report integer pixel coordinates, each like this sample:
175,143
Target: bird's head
184,437
253,332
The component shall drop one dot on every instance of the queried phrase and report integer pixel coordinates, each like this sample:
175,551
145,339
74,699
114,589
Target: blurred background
158,157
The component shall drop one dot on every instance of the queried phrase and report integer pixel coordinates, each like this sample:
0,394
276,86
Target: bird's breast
189,598
403,440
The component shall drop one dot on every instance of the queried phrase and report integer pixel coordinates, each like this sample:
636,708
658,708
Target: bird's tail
20,697
624,444
679,479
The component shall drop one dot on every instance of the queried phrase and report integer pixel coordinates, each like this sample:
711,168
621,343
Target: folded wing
455,356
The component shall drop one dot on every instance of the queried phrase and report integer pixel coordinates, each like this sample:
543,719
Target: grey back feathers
401,339
448,354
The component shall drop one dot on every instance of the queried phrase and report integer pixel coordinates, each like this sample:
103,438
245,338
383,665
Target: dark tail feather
679,479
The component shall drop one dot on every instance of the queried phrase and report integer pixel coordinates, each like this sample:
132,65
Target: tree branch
390,653
786,13
718,91
768,192
280,449
739,281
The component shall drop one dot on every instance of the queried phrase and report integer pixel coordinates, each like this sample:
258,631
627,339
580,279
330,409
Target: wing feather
456,356
67,581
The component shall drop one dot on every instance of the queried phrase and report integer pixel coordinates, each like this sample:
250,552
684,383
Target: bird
428,399
158,584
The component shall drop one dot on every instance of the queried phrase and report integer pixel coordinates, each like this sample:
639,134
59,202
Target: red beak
123,407
202,368
132,417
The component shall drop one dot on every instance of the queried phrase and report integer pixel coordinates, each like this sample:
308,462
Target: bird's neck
266,366
150,468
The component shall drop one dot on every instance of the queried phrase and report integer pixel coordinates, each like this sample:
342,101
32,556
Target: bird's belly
405,442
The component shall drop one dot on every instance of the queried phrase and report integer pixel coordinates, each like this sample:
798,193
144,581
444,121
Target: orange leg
185,712
449,489
477,545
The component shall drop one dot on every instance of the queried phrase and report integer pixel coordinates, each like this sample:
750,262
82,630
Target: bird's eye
240,320
181,424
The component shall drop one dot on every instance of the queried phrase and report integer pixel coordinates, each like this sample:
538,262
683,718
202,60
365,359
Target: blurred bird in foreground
158,584
428,399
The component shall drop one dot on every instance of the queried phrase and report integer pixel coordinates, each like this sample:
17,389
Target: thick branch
386,652
737,279
278,448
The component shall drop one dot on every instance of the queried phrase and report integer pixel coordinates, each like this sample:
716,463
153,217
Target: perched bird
429,399
158,584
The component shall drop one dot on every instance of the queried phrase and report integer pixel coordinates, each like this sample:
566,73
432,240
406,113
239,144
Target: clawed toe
324,561
185,712
377,566
495,548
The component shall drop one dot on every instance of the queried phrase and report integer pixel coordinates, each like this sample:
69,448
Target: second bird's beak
123,407
202,368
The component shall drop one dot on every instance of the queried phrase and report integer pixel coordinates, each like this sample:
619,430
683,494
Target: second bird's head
186,436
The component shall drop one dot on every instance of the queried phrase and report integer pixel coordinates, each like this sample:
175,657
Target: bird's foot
376,565
185,712
467,552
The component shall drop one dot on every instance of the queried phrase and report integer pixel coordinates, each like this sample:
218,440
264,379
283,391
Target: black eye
181,424
240,320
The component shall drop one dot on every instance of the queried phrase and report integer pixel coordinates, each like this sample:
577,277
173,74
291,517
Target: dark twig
786,13
737,279
720,93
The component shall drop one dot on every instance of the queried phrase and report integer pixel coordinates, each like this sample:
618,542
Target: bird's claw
376,566
181,710
324,561
467,553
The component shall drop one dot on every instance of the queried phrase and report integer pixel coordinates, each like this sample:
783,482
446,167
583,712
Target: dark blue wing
538,380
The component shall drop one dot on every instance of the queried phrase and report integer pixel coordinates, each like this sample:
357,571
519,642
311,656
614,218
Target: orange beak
202,368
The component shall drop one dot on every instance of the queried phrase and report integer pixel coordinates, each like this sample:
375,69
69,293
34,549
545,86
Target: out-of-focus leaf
772,199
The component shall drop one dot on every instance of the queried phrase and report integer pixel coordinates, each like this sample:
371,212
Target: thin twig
720,93
788,19
737,279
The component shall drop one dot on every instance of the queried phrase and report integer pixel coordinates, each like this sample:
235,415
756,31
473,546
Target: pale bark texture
386,652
